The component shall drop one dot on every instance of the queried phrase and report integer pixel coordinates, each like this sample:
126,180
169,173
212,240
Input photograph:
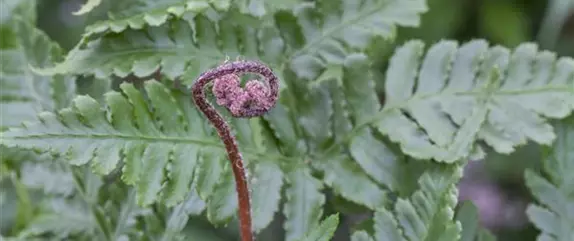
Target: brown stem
256,100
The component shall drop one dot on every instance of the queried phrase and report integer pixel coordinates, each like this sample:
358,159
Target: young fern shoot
255,100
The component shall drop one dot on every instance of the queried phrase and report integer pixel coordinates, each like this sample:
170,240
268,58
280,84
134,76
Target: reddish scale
255,100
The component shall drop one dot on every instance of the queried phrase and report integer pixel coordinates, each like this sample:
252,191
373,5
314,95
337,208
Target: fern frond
303,204
24,93
203,42
11,9
138,14
428,214
342,24
460,94
467,215
325,231
62,219
52,178
347,99
261,8
87,7
361,236
554,213
165,145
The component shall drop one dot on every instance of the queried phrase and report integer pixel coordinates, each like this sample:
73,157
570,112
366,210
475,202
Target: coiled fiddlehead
255,100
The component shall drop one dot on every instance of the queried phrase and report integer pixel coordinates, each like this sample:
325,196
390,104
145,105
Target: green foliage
467,215
553,189
325,230
139,161
459,89
293,40
426,215
24,93
88,6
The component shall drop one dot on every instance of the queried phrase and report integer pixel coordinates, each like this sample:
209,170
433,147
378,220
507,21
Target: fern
325,230
52,178
137,14
62,219
152,144
88,6
427,215
193,45
554,213
473,92
467,215
176,141
24,93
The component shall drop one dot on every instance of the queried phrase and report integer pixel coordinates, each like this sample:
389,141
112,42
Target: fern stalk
255,100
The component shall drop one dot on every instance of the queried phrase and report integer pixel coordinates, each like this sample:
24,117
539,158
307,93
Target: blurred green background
495,184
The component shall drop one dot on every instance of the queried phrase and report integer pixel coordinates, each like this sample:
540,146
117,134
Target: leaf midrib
153,139
417,98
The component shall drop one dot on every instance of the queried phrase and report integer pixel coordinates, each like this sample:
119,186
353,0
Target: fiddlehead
255,100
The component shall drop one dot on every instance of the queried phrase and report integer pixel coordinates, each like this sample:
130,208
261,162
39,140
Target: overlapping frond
460,94
175,47
330,28
164,144
138,14
325,231
24,9
472,230
295,39
88,6
427,215
61,218
553,215
23,92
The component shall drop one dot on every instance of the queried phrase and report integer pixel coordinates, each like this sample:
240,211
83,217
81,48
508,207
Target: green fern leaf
87,7
52,178
351,99
24,9
361,236
150,143
260,8
24,93
153,49
265,183
137,14
303,204
348,180
62,219
343,23
462,94
554,215
223,204
166,146
428,214
325,230
467,215
192,46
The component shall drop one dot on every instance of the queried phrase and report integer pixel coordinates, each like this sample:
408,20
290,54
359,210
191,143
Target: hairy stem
255,100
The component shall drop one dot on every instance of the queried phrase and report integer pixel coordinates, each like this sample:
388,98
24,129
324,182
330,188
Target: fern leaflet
24,93
472,92
313,47
554,213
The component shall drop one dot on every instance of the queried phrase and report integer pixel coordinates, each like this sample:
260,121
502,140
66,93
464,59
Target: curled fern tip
255,99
